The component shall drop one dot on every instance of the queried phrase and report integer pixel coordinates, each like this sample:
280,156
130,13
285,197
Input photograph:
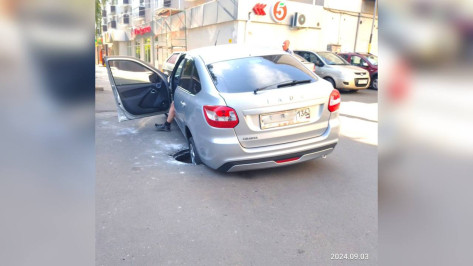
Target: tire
331,81
194,154
374,83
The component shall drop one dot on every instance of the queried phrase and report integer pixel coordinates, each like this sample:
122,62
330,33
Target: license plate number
285,118
363,81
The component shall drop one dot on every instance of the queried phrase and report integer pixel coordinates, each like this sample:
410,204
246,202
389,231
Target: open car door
139,89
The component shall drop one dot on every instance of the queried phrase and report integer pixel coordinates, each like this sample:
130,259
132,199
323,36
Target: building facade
151,30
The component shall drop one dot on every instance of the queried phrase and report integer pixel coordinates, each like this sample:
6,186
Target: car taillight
334,101
313,68
221,116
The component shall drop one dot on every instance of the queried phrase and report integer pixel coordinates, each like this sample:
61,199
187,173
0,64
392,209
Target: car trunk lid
281,115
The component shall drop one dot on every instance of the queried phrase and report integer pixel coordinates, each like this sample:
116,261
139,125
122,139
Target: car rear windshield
250,73
332,59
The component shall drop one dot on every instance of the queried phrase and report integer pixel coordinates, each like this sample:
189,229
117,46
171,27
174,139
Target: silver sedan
239,108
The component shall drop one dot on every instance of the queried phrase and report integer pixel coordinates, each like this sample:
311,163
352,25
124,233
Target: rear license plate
362,81
285,118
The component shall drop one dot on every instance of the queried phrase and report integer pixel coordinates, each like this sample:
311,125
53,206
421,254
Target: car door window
190,80
195,81
130,73
139,89
356,60
314,59
177,75
172,59
305,55
186,77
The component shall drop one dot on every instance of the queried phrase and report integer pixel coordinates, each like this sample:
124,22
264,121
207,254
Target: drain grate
182,156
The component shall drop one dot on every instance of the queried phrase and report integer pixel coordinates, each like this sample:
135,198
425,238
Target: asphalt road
154,210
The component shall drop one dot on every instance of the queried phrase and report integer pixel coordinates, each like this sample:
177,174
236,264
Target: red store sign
141,31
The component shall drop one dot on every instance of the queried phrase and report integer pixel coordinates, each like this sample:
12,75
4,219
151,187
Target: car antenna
216,39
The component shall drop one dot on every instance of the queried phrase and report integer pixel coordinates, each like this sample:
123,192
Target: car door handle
183,104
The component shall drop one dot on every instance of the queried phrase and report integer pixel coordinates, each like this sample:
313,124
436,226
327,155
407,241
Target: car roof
212,54
313,51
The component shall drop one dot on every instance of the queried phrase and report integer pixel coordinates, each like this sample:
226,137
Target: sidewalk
101,78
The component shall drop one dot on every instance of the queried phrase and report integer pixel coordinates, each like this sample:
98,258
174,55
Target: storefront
142,43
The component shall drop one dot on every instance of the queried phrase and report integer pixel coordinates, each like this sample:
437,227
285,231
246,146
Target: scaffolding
170,35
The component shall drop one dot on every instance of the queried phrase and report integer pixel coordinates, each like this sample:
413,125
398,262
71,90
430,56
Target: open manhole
183,156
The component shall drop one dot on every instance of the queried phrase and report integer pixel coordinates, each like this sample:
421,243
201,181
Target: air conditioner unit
298,20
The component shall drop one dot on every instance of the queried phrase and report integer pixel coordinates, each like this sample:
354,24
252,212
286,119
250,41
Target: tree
98,15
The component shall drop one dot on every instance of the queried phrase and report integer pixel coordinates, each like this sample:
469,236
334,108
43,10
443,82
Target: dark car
366,61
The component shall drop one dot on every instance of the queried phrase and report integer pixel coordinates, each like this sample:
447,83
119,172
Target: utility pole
356,34
372,25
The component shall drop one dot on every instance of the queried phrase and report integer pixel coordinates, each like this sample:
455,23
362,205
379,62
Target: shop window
138,49
148,50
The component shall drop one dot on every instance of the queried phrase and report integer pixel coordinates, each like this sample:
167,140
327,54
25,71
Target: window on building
148,50
129,49
138,49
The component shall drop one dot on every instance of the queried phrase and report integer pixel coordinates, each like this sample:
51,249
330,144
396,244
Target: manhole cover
182,156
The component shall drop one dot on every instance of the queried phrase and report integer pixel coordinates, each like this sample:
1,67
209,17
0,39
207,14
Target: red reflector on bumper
288,160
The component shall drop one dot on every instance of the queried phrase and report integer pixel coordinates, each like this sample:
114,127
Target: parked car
169,64
368,62
306,63
336,70
239,108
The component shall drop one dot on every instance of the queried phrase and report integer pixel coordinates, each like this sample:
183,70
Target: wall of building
340,28
223,33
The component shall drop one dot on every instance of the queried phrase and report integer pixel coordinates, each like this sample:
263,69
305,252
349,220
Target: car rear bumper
262,163
229,156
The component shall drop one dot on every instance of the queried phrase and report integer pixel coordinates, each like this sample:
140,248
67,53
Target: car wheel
374,83
331,81
195,158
